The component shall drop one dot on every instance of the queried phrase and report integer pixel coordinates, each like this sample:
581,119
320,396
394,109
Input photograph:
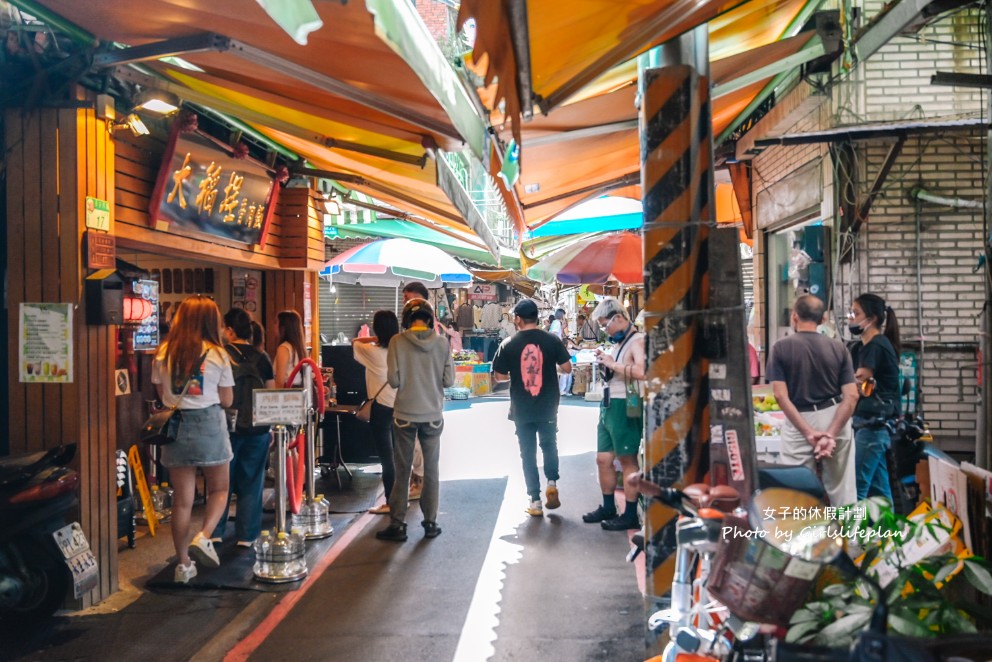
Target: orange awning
562,171
363,111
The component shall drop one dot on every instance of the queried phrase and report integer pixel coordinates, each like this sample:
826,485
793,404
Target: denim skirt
201,439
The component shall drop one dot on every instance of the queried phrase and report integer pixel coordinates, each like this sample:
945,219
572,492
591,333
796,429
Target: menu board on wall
202,188
45,343
146,336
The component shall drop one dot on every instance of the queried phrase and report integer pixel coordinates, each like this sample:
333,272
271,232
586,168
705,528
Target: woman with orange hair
193,373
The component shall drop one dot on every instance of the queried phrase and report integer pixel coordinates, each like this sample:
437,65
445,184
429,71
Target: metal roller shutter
345,310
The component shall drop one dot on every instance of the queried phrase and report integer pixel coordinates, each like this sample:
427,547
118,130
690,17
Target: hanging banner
45,343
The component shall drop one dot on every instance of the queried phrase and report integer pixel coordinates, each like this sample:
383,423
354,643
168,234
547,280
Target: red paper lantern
136,309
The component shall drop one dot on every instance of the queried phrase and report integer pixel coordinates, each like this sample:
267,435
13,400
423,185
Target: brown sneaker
416,486
551,498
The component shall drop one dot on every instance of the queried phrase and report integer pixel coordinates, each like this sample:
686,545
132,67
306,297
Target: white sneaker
534,509
184,573
202,550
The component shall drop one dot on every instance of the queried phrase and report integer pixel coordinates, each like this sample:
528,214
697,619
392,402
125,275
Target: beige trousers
838,477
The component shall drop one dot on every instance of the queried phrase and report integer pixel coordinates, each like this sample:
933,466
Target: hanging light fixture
156,101
130,121
331,204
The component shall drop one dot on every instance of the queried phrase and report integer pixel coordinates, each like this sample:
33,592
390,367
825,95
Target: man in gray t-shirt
813,381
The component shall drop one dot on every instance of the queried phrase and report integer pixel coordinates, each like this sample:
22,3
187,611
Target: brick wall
897,78
895,84
945,307
437,17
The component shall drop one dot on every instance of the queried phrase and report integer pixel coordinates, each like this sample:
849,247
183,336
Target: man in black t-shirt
528,360
813,381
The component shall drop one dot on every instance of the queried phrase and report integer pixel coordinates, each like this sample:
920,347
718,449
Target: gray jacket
419,366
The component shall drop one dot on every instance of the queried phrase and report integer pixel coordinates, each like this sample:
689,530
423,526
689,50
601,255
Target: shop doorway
798,262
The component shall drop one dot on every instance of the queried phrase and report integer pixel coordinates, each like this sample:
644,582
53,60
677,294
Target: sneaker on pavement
382,509
184,573
431,530
202,550
246,543
551,496
395,532
620,523
599,515
534,509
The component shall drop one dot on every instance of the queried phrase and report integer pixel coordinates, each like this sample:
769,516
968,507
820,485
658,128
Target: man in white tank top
620,426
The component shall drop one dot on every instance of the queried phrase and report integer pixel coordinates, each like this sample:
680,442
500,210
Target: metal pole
281,441
983,446
311,434
694,319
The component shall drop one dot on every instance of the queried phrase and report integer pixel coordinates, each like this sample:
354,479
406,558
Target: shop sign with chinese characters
203,189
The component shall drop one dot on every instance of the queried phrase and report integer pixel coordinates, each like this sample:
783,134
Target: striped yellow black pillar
676,180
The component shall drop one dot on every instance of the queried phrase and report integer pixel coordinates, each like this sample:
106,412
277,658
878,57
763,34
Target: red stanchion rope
294,476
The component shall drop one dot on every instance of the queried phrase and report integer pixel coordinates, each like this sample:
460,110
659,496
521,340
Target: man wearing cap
528,360
813,381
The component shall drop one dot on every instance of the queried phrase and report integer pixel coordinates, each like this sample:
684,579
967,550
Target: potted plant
928,578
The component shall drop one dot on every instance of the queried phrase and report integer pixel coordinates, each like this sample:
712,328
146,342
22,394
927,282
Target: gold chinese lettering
178,177
259,217
207,196
231,193
242,209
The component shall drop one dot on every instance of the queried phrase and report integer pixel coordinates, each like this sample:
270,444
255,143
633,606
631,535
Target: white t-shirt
373,357
215,372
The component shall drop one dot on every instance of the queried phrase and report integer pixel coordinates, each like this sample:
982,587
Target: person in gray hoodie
419,367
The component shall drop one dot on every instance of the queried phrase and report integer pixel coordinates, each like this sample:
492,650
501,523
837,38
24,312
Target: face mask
855,329
619,335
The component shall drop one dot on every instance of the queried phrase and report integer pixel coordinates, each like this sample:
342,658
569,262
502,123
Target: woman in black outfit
876,369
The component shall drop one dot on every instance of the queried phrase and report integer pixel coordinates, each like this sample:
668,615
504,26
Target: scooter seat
720,497
790,477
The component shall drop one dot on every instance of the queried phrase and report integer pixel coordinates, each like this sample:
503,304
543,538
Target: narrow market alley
498,584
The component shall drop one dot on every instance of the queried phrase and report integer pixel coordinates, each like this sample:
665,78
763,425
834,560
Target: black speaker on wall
357,444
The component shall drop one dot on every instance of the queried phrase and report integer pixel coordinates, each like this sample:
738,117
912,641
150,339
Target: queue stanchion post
280,558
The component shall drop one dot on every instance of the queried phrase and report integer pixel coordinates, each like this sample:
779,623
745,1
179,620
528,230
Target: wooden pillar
56,158
294,287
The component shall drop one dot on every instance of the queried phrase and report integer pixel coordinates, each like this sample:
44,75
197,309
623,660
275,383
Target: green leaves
978,575
923,598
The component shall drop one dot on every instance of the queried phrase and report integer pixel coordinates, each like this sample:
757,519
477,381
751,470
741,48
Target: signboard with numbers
203,189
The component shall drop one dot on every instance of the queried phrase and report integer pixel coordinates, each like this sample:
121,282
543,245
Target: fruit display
765,403
465,356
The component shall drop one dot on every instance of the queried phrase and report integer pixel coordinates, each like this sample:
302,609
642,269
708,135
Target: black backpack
247,377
